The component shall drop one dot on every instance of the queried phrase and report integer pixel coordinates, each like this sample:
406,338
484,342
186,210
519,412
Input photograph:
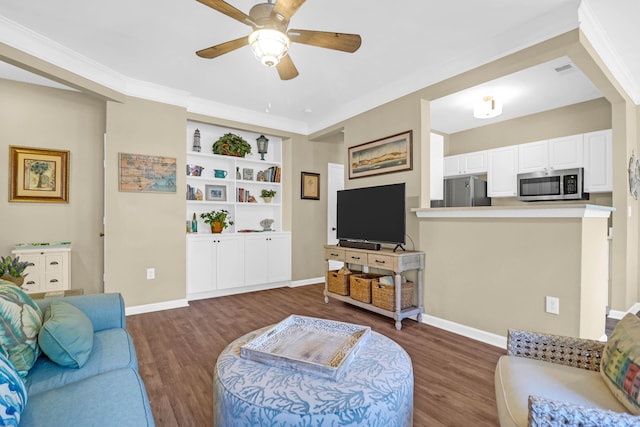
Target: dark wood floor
177,351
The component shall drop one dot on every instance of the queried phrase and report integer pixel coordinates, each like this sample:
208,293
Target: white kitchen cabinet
436,172
214,262
51,269
598,154
502,172
267,258
558,153
474,163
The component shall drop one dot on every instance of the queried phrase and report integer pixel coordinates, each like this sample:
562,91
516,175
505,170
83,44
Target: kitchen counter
520,211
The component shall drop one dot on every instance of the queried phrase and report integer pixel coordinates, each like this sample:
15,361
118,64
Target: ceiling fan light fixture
488,108
269,46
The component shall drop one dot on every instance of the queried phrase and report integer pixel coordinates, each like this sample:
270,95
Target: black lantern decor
263,143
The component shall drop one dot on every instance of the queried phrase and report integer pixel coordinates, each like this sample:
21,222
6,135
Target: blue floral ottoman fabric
376,391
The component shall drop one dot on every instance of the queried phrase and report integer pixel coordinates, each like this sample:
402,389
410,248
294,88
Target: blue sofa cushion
116,398
106,311
13,395
66,336
20,321
112,349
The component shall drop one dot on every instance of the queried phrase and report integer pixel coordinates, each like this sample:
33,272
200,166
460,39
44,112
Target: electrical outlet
151,273
553,305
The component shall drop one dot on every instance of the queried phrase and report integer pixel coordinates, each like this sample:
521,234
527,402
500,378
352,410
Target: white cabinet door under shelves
267,258
214,262
502,173
598,160
474,163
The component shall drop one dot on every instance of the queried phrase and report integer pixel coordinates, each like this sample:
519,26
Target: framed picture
217,193
38,175
310,185
142,174
386,155
247,174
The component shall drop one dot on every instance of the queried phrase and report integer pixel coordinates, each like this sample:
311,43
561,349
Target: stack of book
242,195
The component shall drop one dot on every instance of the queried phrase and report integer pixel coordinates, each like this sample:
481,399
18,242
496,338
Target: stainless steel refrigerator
463,191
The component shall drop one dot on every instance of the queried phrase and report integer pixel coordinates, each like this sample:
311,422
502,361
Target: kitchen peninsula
491,268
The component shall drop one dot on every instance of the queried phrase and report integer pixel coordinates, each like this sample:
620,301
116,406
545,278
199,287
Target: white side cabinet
267,258
51,269
598,159
214,262
502,173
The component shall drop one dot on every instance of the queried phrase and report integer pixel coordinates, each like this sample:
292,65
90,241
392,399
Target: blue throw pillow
20,322
66,336
13,394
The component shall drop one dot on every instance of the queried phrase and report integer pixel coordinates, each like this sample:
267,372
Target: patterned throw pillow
21,320
13,394
620,366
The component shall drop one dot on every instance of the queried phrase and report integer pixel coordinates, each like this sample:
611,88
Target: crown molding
592,29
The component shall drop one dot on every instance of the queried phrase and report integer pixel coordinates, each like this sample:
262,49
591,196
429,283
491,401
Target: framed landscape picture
386,155
38,175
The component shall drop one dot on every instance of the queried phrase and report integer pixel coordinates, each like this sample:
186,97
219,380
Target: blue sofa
106,391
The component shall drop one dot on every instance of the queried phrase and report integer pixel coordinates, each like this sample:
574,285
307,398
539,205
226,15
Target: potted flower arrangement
231,145
218,220
12,269
267,195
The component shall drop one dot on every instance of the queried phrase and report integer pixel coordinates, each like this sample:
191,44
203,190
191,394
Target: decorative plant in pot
12,269
218,220
267,195
231,145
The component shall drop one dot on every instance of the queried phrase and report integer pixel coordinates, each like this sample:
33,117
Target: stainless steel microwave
564,184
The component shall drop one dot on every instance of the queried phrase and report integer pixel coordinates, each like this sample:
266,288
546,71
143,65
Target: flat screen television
372,214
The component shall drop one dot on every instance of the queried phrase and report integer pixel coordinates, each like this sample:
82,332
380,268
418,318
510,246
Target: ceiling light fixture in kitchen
489,107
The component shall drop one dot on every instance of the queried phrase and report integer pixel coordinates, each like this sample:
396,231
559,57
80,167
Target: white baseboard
306,282
466,331
616,314
148,308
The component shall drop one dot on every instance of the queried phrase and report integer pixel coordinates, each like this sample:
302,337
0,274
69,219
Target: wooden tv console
384,259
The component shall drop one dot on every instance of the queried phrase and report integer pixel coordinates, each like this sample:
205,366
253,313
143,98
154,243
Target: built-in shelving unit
243,257
225,193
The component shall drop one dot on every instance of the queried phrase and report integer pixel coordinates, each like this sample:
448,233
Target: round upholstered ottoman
376,390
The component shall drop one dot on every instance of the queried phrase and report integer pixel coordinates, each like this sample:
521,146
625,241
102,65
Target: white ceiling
148,46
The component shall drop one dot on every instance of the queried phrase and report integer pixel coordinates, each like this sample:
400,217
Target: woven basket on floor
360,286
384,296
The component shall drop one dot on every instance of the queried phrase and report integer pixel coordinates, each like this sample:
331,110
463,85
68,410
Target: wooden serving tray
319,347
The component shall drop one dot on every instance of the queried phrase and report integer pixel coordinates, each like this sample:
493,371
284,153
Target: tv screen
373,214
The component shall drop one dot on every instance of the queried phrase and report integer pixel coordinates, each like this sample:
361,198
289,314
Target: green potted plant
12,269
267,195
218,220
231,145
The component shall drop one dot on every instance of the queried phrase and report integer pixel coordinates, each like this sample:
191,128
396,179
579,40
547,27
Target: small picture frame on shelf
215,193
247,174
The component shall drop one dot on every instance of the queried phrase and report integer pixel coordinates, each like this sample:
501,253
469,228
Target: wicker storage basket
384,296
338,283
360,286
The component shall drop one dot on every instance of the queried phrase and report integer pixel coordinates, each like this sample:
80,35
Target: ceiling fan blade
221,49
337,41
227,9
286,69
287,8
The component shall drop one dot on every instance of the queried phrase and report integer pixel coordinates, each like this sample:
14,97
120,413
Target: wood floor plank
177,350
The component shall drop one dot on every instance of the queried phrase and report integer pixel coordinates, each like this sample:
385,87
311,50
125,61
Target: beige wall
41,117
578,118
145,230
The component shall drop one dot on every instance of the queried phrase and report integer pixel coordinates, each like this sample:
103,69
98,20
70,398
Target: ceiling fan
270,38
